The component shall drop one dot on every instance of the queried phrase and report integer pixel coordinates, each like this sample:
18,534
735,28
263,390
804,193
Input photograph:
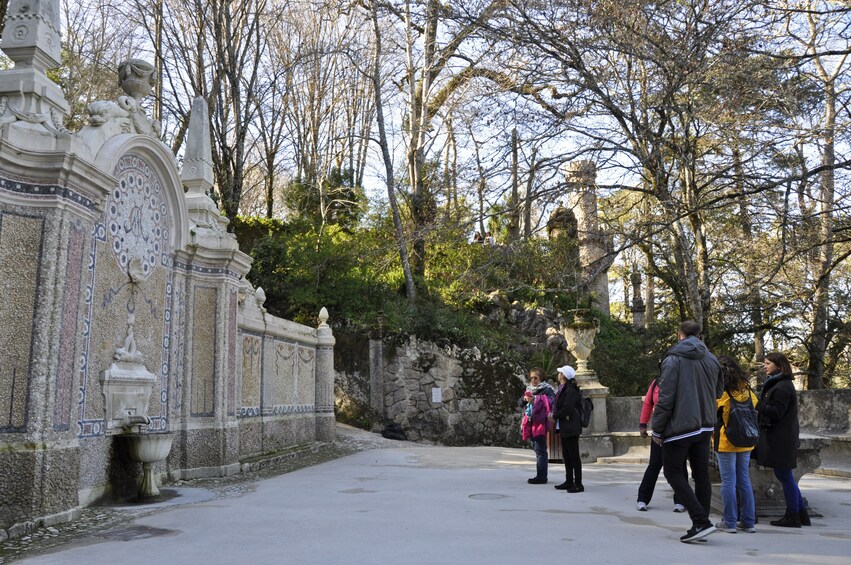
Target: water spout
131,420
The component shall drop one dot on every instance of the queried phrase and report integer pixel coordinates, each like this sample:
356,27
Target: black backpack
742,428
394,431
586,407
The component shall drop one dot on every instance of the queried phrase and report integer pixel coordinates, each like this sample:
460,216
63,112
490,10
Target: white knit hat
568,372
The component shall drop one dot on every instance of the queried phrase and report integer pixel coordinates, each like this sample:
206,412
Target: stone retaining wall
423,387
819,412
436,393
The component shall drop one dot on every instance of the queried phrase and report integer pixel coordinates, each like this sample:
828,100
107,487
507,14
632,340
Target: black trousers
572,461
651,474
695,450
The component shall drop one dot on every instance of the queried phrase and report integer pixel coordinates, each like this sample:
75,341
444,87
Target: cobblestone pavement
107,520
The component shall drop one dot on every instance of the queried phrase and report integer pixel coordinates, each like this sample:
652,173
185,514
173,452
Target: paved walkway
416,504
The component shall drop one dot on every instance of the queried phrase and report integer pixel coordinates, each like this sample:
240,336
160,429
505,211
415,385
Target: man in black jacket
683,422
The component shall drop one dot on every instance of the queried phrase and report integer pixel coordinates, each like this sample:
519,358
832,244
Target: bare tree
823,36
95,40
410,287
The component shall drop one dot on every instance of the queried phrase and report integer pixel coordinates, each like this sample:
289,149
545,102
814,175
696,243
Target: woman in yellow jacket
733,461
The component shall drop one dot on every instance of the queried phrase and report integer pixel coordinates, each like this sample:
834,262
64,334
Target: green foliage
302,269
464,274
344,201
549,360
357,277
626,361
250,230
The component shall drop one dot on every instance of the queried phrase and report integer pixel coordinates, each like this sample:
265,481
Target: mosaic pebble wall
21,235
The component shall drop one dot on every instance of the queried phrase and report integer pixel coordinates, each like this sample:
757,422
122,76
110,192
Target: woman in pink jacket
651,474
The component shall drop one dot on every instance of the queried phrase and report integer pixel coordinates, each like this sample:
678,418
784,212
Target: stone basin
768,493
147,449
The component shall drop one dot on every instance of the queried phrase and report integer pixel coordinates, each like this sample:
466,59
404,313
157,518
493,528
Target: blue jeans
791,492
539,444
736,477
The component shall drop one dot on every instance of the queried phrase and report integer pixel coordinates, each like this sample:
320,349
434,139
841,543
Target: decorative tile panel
69,329
204,308
252,360
137,216
130,244
231,360
46,191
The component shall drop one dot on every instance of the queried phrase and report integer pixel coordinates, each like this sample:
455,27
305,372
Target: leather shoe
537,481
577,488
564,486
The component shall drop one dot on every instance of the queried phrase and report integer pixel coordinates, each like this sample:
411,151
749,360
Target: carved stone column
638,318
594,245
324,379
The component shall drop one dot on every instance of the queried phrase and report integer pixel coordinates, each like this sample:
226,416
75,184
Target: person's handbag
526,427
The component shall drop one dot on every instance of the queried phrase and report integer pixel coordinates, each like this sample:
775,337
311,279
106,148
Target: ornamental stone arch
156,164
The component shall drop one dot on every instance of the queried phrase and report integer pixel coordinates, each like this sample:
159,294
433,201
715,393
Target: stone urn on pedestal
579,334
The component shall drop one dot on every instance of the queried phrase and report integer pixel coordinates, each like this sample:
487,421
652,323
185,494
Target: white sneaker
641,506
679,508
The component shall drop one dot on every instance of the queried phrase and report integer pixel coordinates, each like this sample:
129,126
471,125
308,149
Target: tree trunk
817,346
410,287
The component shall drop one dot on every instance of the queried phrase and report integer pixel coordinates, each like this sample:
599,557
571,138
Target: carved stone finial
29,99
209,226
197,171
126,115
323,316
31,34
137,78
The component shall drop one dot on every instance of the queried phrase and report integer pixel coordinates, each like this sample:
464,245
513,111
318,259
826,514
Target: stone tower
595,254
637,309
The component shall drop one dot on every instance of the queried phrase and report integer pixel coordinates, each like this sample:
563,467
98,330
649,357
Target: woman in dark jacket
778,440
568,422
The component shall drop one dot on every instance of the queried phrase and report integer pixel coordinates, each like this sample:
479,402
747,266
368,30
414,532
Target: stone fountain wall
103,239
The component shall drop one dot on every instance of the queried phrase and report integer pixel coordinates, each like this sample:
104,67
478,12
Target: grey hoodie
689,385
